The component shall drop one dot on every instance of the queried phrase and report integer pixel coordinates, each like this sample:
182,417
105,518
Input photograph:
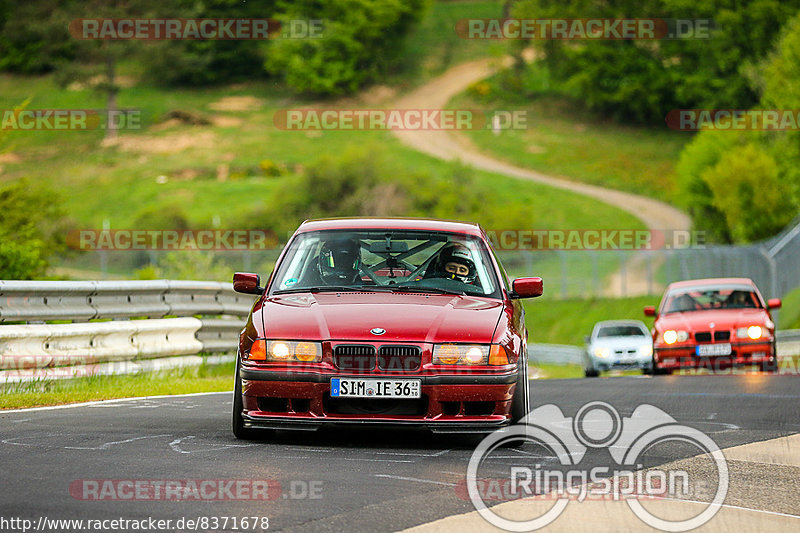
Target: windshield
622,331
704,298
386,260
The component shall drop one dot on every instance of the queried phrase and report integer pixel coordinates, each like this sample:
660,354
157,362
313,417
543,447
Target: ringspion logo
596,425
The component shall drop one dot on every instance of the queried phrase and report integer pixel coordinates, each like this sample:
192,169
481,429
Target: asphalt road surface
72,463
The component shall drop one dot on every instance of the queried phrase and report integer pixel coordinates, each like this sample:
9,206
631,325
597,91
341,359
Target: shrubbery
745,185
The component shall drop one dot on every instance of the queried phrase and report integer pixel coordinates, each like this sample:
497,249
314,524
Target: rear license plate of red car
375,388
713,349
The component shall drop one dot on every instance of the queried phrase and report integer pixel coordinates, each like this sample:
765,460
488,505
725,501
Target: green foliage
746,187
742,186
207,62
361,40
34,36
362,181
31,229
640,80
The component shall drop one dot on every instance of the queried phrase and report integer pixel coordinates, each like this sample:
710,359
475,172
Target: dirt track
451,146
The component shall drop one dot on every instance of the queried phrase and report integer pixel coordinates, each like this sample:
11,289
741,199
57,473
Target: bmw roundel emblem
377,331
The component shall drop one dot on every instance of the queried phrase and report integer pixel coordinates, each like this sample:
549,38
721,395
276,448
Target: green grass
563,140
203,378
549,371
99,184
789,313
569,321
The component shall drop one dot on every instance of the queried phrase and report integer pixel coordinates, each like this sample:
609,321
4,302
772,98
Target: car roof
620,323
366,223
710,281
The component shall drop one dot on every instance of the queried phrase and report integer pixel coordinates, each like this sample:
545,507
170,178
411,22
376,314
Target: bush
31,229
360,41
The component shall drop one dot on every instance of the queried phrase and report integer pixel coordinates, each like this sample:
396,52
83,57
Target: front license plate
375,388
713,349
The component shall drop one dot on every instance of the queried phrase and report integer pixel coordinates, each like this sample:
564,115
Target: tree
360,41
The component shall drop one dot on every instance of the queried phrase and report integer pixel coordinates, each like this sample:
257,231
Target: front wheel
239,431
520,403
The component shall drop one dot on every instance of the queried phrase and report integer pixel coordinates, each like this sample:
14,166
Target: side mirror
774,303
587,339
649,310
527,288
247,283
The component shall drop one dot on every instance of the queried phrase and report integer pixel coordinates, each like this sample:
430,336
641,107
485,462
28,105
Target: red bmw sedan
713,324
383,321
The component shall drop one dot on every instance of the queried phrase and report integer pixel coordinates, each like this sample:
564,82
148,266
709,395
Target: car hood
721,318
405,317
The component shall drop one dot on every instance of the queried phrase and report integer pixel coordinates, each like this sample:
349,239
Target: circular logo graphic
377,331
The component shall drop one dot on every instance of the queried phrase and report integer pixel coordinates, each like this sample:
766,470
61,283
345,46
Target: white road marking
416,479
106,402
378,460
107,445
735,507
437,454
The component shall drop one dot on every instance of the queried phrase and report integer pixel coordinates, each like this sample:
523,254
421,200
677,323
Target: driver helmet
340,262
455,262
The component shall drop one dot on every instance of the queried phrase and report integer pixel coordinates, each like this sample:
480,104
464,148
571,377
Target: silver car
620,344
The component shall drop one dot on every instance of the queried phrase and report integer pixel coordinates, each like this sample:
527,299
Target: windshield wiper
323,289
433,290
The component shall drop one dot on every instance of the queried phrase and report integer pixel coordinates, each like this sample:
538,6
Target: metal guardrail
557,354
788,341
36,301
102,331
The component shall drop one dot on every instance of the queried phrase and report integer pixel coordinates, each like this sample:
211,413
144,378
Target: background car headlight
671,336
465,354
753,332
601,352
646,350
290,351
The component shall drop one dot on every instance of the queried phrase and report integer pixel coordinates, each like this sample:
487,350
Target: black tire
520,403
590,372
659,371
239,431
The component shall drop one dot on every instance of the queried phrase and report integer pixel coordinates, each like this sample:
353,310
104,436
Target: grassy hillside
564,140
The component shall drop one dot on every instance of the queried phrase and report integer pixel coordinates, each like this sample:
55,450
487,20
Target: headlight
671,336
601,352
291,351
753,332
646,350
469,354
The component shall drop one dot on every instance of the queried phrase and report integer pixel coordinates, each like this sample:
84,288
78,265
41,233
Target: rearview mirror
774,303
649,310
527,288
247,283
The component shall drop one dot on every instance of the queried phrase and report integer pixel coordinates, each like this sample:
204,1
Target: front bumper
459,403
742,353
604,364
